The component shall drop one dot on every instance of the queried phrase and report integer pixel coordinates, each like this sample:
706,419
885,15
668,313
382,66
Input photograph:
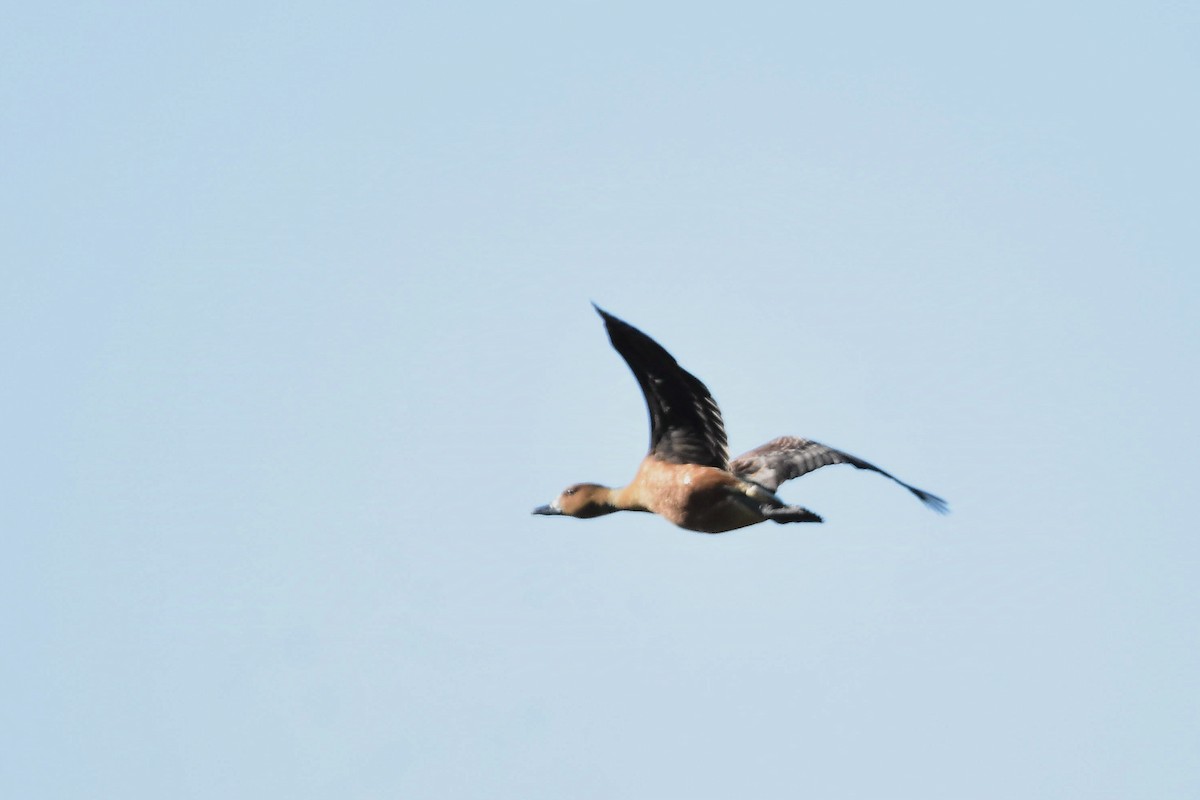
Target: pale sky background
295,334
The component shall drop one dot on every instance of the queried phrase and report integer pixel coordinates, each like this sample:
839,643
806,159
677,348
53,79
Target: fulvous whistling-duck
687,476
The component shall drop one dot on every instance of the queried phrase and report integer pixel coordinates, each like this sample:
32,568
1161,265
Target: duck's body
687,477
697,497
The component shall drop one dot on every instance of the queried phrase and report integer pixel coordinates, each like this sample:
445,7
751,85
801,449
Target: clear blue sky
295,333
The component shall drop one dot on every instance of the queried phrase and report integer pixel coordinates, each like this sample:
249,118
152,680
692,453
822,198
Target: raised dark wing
685,423
790,457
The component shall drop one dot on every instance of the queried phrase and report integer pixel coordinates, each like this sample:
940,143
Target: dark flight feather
685,423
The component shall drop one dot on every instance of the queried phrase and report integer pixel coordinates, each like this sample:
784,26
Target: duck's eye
569,492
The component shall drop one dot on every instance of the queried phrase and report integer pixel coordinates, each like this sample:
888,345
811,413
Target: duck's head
583,500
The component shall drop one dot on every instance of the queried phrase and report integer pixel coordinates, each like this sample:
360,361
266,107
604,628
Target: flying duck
688,477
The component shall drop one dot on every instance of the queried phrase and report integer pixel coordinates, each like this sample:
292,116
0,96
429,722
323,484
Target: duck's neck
626,498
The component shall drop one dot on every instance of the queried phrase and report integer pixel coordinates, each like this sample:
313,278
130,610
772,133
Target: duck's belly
727,514
710,501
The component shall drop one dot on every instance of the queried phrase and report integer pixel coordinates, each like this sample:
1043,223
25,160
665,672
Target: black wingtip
615,325
932,500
